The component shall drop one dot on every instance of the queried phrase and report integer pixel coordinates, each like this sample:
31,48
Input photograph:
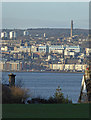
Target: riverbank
43,71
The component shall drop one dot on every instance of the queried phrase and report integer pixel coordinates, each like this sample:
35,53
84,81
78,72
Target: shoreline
41,72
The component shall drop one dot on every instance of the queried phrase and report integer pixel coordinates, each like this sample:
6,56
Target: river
45,84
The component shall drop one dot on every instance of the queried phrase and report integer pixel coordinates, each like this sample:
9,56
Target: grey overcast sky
45,14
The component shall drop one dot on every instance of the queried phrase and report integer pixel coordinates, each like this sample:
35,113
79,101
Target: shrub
14,95
56,99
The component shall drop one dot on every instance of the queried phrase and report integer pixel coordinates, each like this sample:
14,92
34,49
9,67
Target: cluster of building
54,57
12,35
68,67
27,66
46,53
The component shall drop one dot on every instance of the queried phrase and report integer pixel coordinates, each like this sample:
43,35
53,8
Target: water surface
45,84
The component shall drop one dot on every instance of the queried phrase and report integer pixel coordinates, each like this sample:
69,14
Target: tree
58,97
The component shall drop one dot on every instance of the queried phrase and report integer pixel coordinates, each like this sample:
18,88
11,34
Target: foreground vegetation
17,95
14,106
11,95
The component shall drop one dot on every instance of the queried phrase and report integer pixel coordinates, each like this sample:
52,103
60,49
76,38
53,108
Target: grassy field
45,111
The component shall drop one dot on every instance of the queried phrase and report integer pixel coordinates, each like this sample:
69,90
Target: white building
73,48
26,33
70,53
5,48
49,57
57,66
79,67
12,35
44,49
56,49
44,35
69,66
24,49
88,50
4,35
21,49
34,48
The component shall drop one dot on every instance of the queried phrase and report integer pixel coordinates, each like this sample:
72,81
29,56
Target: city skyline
20,15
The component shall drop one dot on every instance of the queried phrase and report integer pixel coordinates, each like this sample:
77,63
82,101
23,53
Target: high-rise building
12,35
4,35
44,35
71,34
26,33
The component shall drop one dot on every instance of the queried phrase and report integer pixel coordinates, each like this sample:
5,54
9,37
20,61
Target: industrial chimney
71,34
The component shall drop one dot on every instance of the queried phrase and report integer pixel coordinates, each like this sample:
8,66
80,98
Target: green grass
45,111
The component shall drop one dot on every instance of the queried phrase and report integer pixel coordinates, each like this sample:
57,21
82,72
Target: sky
24,15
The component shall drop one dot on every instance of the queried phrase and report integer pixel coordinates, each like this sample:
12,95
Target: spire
85,93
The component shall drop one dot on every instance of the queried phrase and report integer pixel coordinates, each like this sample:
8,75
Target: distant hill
51,31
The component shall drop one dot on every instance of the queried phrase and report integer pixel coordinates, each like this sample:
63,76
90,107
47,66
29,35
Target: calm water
45,84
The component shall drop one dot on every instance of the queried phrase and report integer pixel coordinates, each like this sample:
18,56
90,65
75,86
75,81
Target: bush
56,99
6,94
14,95
38,101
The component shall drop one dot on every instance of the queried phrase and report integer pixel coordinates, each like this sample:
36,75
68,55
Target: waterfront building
56,66
69,67
2,65
84,66
11,66
79,67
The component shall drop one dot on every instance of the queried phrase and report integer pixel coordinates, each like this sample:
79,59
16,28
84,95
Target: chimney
71,34
11,79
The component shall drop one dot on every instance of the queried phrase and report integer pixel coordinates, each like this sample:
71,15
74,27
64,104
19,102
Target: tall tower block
71,34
